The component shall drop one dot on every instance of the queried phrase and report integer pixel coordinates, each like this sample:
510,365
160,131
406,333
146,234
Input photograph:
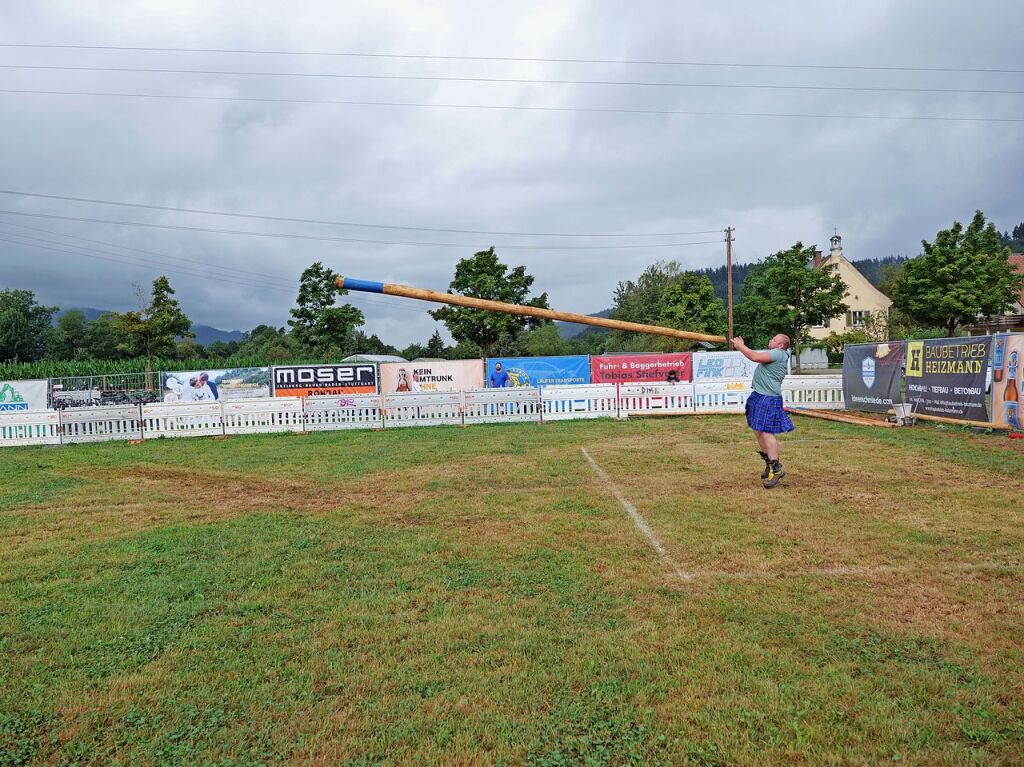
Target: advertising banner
1007,367
18,396
717,366
873,375
213,385
537,371
641,368
946,377
324,380
433,375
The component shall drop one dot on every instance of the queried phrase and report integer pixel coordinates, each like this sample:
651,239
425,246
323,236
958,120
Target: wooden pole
829,415
728,264
953,421
347,283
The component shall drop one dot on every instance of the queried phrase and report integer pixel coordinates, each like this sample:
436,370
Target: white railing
563,403
423,409
372,411
182,419
348,411
101,424
30,427
655,399
265,415
501,405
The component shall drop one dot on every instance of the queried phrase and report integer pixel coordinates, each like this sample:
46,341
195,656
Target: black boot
775,474
767,464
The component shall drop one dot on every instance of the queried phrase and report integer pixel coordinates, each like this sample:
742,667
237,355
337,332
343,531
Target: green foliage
1013,240
104,338
783,294
484,276
834,343
69,338
26,331
689,303
324,329
154,331
546,342
963,274
435,346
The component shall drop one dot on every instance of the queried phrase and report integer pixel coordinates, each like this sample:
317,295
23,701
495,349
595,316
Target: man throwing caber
765,412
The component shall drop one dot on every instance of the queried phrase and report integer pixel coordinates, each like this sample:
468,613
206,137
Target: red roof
1017,259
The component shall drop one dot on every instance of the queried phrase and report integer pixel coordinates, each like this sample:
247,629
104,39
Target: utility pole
728,267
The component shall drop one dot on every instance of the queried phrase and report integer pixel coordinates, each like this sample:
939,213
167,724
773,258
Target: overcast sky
885,184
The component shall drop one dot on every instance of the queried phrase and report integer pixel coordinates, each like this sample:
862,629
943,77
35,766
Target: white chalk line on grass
821,572
638,520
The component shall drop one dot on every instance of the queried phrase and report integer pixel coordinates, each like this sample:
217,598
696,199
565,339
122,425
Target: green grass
477,596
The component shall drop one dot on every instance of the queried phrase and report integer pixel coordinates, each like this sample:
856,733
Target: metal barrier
184,419
263,416
349,411
562,403
501,405
101,424
820,392
655,399
728,396
30,427
422,409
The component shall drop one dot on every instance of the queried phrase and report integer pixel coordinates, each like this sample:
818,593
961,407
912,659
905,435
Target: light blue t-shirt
768,375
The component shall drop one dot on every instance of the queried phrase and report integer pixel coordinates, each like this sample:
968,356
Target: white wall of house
862,297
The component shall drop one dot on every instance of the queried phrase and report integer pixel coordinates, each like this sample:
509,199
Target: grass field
481,596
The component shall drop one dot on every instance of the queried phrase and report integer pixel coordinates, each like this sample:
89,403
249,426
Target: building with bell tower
863,298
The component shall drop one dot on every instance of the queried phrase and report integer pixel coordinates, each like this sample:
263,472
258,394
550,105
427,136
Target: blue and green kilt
767,414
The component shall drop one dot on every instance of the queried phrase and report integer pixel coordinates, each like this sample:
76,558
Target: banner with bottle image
946,377
431,375
873,375
1007,367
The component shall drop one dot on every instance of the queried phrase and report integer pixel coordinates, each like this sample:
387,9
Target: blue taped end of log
366,286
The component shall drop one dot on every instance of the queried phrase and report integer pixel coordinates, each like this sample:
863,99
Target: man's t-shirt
499,379
768,375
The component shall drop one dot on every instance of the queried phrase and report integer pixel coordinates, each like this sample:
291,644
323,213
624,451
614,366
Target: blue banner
537,371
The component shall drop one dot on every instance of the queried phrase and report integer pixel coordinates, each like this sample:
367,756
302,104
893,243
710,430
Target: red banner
641,368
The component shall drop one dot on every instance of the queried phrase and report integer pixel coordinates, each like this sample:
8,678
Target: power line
521,59
296,236
518,108
172,209
514,80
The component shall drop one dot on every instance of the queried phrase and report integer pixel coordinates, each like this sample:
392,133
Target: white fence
372,411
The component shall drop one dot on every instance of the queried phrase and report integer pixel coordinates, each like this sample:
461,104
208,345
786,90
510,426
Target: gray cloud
884,184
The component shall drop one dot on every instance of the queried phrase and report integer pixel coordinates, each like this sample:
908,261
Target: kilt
767,414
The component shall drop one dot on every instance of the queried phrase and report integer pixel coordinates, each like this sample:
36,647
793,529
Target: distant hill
572,329
205,335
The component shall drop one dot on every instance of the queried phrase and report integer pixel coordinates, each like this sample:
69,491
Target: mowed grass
479,596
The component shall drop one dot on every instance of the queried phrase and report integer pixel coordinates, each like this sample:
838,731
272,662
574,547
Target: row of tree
965,273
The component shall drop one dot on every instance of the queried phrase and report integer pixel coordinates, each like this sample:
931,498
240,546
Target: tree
436,346
689,303
484,276
643,300
271,344
319,325
105,338
26,330
69,339
154,330
964,274
783,294
547,342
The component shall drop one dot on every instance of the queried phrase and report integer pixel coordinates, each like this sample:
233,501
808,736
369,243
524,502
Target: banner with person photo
946,377
873,375
431,375
537,371
641,368
1007,368
212,385
18,396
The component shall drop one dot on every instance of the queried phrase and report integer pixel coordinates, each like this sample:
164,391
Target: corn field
21,371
